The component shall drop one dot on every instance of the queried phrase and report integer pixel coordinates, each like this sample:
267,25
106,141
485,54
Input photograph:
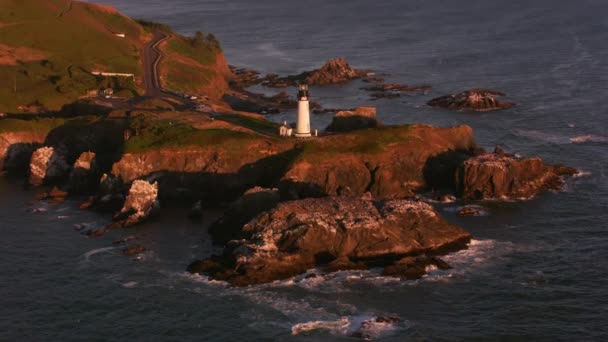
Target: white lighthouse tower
303,122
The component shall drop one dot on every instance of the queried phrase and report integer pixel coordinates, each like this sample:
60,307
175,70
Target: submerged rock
496,176
140,204
299,235
476,100
360,118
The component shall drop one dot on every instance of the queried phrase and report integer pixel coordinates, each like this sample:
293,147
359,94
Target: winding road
151,58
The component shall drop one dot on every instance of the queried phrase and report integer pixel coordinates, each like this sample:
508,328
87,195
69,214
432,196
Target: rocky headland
340,201
348,199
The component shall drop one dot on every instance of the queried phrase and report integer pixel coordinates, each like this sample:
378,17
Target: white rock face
140,203
46,163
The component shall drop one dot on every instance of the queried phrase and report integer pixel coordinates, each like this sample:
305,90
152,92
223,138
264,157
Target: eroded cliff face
16,149
499,176
221,172
390,162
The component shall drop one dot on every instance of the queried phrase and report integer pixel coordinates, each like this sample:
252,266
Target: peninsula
131,117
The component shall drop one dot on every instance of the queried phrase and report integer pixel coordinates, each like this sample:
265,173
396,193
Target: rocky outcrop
253,202
360,118
389,162
47,165
394,90
496,176
334,71
84,175
299,235
16,150
218,171
140,204
479,100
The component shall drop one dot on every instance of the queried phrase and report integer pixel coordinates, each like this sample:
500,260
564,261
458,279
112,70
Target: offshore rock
500,176
140,204
334,71
253,202
299,235
360,118
47,164
475,100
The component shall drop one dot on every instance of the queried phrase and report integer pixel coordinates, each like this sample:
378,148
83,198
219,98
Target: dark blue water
537,270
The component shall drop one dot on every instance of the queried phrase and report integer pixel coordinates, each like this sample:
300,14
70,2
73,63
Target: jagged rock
370,329
133,250
56,195
140,204
413,267
299,235
334,71
253,202
471,210
497,176
360,118
47,164
84,175
109,196
476,100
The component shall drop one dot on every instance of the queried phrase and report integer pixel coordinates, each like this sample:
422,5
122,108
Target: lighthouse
303,121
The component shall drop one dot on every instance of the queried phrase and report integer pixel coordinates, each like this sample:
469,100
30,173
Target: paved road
151,59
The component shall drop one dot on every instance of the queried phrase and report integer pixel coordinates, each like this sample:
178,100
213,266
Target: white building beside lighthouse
303,119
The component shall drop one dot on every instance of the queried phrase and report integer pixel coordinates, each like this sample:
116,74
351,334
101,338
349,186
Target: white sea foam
543,136
337,327
90,253
130,284
589,138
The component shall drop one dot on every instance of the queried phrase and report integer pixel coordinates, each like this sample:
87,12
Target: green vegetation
151,26
42,126
367,141
54,45
173,134
198,48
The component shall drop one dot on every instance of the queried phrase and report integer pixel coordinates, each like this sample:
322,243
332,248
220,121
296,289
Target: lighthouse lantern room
303,120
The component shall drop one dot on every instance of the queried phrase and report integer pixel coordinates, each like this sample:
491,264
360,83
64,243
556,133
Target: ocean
536,270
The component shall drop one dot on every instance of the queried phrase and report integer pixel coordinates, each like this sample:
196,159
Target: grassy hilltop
48,49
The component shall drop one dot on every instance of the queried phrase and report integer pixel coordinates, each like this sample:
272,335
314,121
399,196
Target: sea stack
303,121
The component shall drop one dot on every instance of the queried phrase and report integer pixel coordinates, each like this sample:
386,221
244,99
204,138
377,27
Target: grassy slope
75,38
194,68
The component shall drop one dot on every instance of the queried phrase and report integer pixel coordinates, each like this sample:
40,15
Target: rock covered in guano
47,164
337,232
141,203
474,100
496,176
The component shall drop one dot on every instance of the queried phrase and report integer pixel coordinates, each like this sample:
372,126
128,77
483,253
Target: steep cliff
389,162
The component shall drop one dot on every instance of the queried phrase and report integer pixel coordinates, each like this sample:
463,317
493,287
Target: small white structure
285,130
121,35
303,120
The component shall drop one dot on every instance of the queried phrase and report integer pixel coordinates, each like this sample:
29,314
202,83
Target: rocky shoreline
343,201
